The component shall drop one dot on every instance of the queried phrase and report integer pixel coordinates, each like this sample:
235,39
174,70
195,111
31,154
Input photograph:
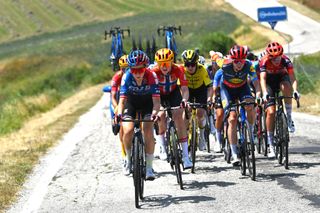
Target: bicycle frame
168,32
116,34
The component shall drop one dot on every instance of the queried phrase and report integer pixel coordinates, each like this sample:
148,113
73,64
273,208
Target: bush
217,41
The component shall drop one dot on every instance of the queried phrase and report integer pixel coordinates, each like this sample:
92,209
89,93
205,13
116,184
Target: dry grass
20,151
310,103
305,10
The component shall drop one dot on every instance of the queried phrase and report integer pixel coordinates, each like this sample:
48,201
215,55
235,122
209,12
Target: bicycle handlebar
115,30
170,28
170,108
137,120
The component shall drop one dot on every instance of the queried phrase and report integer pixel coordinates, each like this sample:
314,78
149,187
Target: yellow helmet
190,56
164,55
123,61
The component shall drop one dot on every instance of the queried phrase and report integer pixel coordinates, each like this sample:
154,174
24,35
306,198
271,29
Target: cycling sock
270,137
234,149
219,136
160,139
184,144
128,151
149,160
289,111
202,133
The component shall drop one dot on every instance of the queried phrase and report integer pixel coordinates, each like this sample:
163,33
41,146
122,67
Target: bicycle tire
140,43
136,171
258,131
142,165
250,157
285,141
193,144
207,134
134,44
278,144
177,158
264,147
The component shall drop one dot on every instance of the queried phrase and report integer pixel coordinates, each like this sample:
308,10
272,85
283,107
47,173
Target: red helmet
274,49
238,52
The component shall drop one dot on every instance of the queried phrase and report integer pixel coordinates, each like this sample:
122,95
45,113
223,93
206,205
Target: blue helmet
137,58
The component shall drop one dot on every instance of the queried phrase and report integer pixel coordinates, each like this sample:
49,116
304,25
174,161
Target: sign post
272,15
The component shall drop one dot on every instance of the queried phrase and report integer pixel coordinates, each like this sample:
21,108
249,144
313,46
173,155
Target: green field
57,64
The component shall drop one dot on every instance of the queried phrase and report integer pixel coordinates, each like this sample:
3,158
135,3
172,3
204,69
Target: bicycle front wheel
193,143
250,157
285,141
176,154
136,170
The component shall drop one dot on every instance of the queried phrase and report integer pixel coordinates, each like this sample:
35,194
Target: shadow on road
272,177
196,185
303,165
165,200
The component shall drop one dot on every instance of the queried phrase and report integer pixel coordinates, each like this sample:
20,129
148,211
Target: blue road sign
272,14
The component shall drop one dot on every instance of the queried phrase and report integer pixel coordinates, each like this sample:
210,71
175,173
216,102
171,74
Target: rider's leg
201,123
251,115
219,124
232,132
286,89
160,138
127,140
123,150
147,128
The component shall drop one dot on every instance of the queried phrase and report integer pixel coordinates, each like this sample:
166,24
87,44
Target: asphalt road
83,174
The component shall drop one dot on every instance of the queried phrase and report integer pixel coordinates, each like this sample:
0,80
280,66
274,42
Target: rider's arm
155,93
123,94
292,76
114,99
208,83
263,82
254,79
216,82
183,84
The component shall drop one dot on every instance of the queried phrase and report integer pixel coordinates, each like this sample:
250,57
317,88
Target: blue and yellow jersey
235,79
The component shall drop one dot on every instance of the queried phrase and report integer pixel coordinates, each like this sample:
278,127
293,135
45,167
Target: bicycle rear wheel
264,147
207,134
136,170
176,155
193,143
250,157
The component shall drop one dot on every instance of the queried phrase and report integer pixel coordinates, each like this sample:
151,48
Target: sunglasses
239,61
139,70
165,64
188,64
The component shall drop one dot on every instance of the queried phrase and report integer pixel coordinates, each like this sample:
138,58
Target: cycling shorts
174,98
198,95
273,85
232,95
138,103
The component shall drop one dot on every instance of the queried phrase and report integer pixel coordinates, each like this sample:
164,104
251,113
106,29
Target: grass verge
20,151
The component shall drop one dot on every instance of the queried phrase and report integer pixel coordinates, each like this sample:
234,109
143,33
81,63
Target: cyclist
217,63
277,73
200,88
115,87
234,87
168,74
139,92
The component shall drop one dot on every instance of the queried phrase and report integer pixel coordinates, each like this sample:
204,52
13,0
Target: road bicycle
209,127
261,131
116,34
194,135
173,147
168,32
138,159
150,49
281,138
245,141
